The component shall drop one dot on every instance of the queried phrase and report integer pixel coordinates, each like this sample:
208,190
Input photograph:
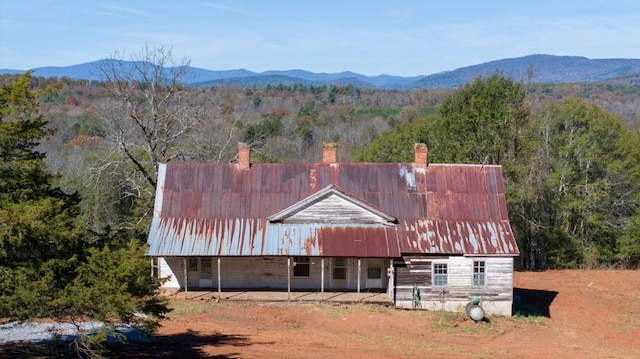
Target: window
374,272
479,274
193,264
339,268
440,275
301,266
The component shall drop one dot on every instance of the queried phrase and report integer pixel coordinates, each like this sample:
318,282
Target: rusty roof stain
209,209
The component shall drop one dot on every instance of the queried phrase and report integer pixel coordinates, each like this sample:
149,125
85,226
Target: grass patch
442,321
179,308
529,314
341,310
531,319
455,322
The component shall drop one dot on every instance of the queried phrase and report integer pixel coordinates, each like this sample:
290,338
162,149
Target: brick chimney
329,152
421,152
244,159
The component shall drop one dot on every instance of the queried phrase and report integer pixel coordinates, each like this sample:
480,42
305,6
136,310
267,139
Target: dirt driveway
585,314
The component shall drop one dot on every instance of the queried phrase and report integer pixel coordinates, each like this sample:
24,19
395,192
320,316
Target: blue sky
403,38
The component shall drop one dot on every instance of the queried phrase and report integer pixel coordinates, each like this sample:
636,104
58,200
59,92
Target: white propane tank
474,310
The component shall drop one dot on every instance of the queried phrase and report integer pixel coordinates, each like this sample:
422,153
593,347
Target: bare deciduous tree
150,109
151,116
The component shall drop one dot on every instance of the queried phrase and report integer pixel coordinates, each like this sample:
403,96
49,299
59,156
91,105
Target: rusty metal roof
212,209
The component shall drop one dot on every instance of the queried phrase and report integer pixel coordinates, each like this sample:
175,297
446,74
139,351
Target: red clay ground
591,314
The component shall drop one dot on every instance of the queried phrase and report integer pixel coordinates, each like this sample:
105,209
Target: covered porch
251,295
274,273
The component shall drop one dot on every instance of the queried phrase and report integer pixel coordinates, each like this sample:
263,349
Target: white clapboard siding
271,273
500,278
249,272
460,278
171,267
267,273
498,295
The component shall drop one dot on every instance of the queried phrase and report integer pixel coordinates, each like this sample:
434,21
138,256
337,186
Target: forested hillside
569,151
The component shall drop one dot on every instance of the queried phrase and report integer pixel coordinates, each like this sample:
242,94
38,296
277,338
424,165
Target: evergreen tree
397,144
39,241
51,267
482,122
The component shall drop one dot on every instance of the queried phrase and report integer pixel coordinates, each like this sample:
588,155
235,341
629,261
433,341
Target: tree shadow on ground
188,345
532,302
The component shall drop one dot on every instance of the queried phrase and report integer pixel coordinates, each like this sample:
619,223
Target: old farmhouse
432,236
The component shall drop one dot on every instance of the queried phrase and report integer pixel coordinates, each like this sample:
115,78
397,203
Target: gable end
330,205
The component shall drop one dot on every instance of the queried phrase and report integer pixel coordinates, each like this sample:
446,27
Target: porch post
186,280
288,278
322,276
359,266
151,267
219,284
391,282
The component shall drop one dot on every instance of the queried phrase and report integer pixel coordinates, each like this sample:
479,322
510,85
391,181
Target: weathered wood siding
340,210
496,296
411,271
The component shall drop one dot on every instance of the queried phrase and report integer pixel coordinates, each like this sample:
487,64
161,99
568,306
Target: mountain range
533,68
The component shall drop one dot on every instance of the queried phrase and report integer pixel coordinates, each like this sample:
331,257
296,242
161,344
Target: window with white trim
440,275
479,274
301,266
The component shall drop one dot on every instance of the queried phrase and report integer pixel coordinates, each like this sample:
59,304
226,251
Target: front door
206,280
199,272
339,273
193,277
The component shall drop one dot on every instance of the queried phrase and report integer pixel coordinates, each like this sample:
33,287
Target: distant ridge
543,69
534,68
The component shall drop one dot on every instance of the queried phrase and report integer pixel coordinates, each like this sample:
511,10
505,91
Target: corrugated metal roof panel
343,241
234,189
473,238
244,237
218,209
